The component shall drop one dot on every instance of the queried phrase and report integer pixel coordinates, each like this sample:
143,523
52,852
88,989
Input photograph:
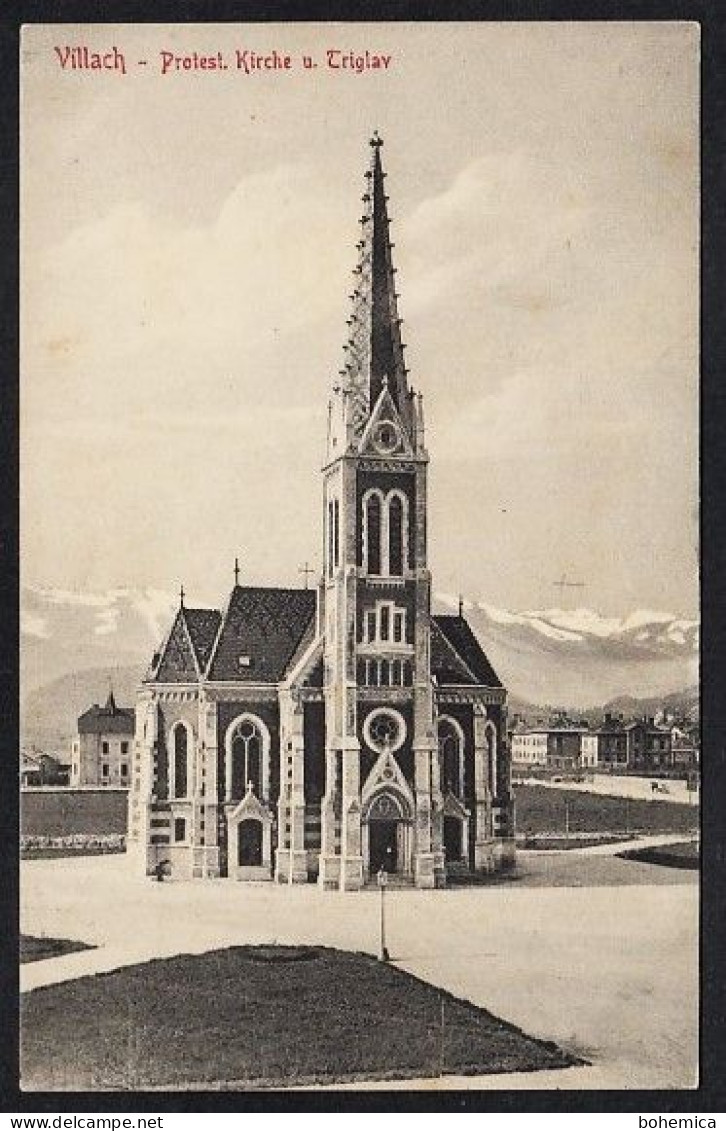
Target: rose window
384,730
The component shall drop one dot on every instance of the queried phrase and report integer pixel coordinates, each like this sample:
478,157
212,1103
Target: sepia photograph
359,425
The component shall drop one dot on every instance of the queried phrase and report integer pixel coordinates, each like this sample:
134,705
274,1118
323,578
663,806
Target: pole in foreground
383,954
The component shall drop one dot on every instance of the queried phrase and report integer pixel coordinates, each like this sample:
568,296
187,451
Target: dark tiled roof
303,644
264,625
445,664
458,636
203,625
101,720
177,658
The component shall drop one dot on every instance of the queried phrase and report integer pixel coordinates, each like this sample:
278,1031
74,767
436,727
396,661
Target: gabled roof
446,665
202,626
103,720
311,675
260,633
457,657
176,662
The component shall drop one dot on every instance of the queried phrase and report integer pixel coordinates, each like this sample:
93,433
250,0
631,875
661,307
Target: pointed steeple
374,350
111,701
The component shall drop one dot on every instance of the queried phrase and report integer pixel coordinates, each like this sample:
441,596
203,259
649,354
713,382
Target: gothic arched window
451,757
336,533
395,536
331,524
372,533
180,754
246,758
491,740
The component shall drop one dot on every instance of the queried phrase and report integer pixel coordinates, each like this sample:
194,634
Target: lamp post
383,954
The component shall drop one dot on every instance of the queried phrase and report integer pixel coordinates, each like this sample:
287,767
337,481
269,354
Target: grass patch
261,1016
686,854
561,843
541,809
34,949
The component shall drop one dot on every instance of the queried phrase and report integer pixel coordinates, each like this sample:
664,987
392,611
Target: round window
386,437
384,730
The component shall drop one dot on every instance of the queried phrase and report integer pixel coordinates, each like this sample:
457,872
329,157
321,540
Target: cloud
156,607
33,625
167,308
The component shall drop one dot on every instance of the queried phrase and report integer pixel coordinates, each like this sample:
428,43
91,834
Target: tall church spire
374,351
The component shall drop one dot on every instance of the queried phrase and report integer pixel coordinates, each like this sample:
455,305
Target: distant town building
37,768
588,750
529,747
648,746
557,746
612,744
563,748
101,754
686,754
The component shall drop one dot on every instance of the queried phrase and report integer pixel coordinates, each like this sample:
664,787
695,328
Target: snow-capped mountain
554,656
580,658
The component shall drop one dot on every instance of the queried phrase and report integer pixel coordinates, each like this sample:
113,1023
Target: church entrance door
452,838
249,844
383,846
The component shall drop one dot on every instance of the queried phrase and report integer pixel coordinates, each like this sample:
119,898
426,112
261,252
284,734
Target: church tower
376,589
295,735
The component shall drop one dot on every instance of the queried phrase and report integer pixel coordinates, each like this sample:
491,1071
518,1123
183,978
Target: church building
323,734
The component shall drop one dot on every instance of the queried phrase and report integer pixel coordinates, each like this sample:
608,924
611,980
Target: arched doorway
452,838
249,843
249,839
387,834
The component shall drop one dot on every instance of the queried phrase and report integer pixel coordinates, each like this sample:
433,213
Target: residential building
612,744
101,753
528,748
648,746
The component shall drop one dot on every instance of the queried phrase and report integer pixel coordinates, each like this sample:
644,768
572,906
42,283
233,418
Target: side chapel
321,734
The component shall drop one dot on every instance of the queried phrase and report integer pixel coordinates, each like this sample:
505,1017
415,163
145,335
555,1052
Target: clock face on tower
386,437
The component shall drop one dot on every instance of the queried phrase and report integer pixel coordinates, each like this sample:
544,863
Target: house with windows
325,734
612,744
649,746
102,750
528,747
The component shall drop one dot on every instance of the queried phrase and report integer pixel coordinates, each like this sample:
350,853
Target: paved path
607,969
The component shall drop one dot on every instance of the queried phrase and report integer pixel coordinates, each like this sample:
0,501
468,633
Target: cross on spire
306,570
181,596
236,571
563,584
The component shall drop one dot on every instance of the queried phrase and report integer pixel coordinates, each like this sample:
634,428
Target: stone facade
324,734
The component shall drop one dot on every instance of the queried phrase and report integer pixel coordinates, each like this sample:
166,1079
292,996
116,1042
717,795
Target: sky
188,242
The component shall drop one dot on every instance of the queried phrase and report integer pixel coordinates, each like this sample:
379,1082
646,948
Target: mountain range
73,643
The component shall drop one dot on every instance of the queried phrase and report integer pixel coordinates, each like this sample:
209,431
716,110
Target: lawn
541,809
550,841
261,1016
686,854
33,949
